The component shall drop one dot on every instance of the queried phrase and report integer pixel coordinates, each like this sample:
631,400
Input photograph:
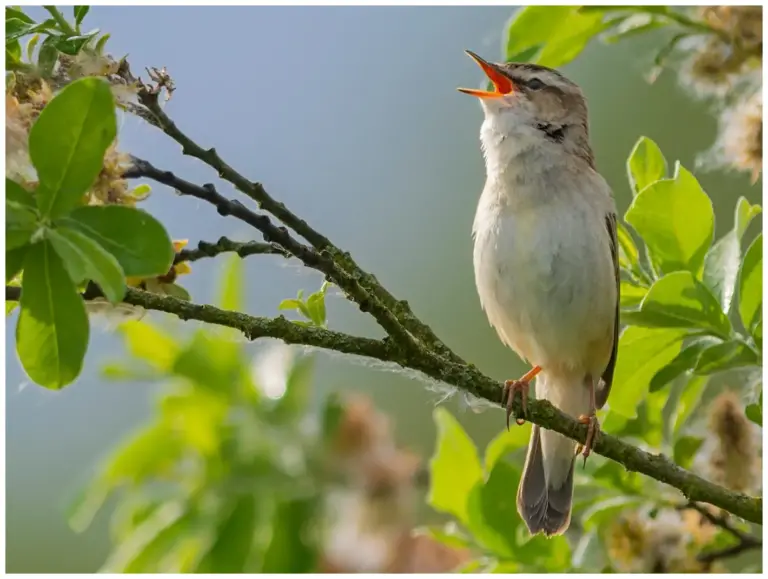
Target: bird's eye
534,84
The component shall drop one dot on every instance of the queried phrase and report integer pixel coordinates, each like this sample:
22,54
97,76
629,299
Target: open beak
501,83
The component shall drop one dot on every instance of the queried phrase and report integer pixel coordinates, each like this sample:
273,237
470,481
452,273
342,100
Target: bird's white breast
544,271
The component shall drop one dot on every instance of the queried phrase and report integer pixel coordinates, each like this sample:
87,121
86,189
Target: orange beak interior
501,83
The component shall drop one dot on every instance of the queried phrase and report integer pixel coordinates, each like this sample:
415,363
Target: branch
464,377
378,296
224,245
746,542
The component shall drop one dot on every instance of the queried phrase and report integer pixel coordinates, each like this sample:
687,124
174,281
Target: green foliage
55,245
313,308
555,35
223,478
60,36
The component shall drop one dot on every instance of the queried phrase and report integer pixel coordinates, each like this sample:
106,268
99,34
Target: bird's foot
513,386
593,430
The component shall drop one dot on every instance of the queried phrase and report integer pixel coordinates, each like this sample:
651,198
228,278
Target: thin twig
746,542
464,377
224,245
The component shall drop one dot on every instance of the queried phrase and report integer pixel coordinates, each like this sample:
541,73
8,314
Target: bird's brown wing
604,389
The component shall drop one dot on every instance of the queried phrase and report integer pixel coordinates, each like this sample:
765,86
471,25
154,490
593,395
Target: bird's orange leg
593,425
521,385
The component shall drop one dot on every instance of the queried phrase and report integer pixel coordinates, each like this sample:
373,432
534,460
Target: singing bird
546,267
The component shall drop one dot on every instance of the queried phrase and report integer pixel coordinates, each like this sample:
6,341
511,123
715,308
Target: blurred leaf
21,223
646,165
726,356
209,362
18,197
685,450
149,343
755,411
232,285
630,294
678,300
676,220
150,539
551,554
14,261
293,404
607,510
293,548
31,45
498,503
84,259
685,360
483,533
196,419
455,467
504,443
86,505
721,266
751,285
526,55
333,411
629,256
80,12
634,26
176,291
47,57
615,476
448,534
68,141
642,353
689,400
503,567
234,537
99,47
150,453
138,241
52,331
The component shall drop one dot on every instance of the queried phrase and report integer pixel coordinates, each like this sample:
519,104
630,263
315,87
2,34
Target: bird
546,268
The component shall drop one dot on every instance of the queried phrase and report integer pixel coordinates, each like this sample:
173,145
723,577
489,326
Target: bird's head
532,107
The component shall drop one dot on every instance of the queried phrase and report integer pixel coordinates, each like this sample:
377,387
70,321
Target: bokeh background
350,116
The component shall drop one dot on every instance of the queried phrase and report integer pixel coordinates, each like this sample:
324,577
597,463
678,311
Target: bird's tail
545,494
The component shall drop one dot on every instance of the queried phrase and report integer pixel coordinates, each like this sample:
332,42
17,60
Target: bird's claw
508,398
593,430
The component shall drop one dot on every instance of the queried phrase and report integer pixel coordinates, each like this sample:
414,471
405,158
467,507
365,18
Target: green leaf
17,13
316,306
498,503
234,538
20,225
646,165
726,356
176,291
293,547
678,300
31,45
687,403
755,411
676,220
751,285
148,343
629,256
483,534
561,30
99,48
85,259
290,304
448,534
80,12
209,362
630,294
633,26
721,265
47,57
505,442
642,353
685,450
72,45
138,241
455,467
68,142
18,197
14,262
333,412
684,361
52,332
